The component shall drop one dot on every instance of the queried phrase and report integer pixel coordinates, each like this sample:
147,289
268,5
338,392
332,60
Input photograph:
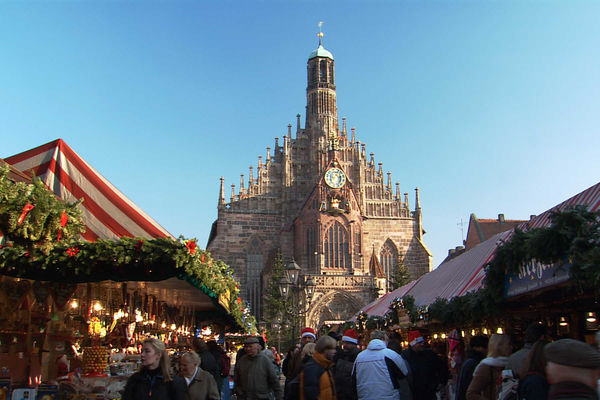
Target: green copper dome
320,52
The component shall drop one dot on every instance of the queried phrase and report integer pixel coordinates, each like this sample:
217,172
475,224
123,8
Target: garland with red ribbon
26,208
63,222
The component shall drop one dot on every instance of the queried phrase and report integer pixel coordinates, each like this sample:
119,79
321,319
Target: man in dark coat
430,372
477,352
208,361
573,370
343,364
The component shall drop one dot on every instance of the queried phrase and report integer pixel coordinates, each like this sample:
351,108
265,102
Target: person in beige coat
200,384
483,386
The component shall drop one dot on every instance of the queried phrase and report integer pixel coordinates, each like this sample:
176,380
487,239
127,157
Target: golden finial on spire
320,34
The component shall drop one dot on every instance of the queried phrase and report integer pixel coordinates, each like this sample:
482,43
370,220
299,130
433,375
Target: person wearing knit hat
573,369
429,371
344,362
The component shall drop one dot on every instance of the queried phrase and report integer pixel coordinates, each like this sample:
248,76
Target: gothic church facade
320,200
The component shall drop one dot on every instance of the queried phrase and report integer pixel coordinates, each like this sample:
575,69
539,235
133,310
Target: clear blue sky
487,106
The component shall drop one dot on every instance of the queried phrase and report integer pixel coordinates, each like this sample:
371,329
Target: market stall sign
225,299
535,275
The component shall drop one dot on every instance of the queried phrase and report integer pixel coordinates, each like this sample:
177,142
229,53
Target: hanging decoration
32,250
41,291
15,292
61,293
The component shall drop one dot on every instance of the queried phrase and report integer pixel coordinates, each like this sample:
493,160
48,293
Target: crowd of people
335,368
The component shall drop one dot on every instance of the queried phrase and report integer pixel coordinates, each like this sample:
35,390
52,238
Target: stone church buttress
319,199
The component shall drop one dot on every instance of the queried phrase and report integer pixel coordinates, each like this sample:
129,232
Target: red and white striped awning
590,198
107,213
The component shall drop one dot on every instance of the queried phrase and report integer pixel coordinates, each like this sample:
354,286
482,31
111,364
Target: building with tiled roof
481,230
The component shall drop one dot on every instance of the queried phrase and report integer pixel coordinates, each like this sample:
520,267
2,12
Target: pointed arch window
337,248
312,74
389,259
323,71
331,77
311,249
254,267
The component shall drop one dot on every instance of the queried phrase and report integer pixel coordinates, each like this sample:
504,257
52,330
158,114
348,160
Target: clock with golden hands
335,178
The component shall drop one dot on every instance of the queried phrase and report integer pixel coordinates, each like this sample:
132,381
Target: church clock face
335,178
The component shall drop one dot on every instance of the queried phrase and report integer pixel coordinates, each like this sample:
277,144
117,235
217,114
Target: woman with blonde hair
488,372
154,380
307,352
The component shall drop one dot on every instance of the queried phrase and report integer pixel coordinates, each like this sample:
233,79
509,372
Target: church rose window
254,266
388,257
336,246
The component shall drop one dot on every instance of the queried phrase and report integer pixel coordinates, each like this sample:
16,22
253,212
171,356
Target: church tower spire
321,101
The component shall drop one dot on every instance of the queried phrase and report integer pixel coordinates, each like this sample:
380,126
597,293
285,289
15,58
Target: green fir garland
32,216
31,250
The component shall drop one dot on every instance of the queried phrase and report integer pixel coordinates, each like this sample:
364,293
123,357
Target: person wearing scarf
489,371
316,378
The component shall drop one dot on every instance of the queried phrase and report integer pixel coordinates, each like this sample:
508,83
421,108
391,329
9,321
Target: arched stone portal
334,305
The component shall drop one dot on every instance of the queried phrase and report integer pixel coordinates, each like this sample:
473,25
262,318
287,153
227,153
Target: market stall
69,305
541,271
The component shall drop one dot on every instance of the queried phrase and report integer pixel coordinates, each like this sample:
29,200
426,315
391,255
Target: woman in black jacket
154,381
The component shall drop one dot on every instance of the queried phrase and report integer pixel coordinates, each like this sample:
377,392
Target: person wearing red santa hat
292,367
430,372
307,335
344,362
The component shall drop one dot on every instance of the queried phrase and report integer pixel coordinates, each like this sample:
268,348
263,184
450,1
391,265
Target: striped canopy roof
382,304
465,273
107,213
590,198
